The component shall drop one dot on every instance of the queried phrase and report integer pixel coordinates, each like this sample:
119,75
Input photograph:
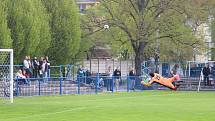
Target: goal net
6,74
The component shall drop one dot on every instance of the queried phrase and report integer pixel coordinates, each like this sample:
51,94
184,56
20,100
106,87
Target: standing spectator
25,62
88,76
206,72
45,69
117,76
48,66
35,66
132,79
29,71
80,74
40,67
109,80
27,65
213,73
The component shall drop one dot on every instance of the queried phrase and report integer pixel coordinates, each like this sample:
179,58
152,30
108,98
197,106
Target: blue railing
81,85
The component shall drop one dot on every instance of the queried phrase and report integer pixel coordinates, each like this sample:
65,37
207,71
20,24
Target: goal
6,74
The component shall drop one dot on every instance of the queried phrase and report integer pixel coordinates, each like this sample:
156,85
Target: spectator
80,74
213,73
27,65
40,67
35,66
132,79
29,70
24,73
206,72
109,79
117,76
25,62
48,66
88,76
45,69
20,77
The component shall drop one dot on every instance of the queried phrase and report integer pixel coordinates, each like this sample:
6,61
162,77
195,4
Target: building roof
101,53
86,1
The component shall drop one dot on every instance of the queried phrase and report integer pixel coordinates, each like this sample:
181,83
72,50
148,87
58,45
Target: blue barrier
80,85
61,85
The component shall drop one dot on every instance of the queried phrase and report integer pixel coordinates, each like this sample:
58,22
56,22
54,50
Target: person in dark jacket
206,72
35,65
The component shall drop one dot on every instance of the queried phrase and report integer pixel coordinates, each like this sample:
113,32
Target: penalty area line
50,113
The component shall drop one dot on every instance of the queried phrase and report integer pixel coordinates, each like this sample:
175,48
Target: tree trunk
156,63
138,63
139,57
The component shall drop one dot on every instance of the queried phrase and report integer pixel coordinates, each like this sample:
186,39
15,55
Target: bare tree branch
132,4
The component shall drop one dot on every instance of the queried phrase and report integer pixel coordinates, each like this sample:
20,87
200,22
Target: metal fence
65,80
89,85
81,85
185,69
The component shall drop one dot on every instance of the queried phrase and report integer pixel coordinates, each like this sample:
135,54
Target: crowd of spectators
34,68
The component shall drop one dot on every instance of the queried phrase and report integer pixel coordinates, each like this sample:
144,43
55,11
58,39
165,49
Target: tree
147,22
95,35
30,32
40,27
65,30
5,35
213,39
211,10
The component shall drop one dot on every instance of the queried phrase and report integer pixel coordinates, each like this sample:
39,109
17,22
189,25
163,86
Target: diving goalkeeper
167,82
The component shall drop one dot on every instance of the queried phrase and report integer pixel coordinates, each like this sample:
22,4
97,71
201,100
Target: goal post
6,73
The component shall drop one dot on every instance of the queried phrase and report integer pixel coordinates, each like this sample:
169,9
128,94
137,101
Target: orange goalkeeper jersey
163,81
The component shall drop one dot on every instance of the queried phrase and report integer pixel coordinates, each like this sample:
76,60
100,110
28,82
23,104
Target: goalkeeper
167,82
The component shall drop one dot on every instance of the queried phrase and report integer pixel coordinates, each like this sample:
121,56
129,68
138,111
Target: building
85,4
204,32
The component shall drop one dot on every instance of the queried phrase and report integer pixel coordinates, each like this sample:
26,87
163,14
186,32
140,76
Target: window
82,7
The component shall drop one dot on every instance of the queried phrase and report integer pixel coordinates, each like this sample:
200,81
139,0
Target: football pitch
133,106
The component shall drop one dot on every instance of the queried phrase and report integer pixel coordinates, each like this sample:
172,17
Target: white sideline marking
51,113
138,96
81,108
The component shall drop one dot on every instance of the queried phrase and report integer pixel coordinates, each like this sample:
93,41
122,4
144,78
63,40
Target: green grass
137,106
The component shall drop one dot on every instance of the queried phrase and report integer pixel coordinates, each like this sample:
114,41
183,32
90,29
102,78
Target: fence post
61,73
127,83
17,89
78,84
39,85
60,79
60,85
97,83
112,83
